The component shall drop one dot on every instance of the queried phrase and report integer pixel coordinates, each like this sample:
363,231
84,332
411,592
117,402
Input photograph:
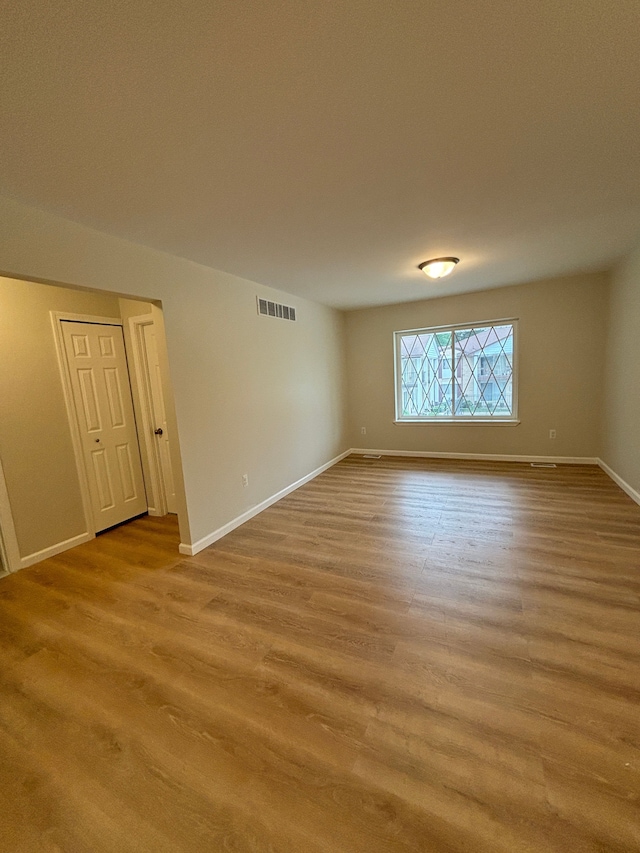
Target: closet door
104,411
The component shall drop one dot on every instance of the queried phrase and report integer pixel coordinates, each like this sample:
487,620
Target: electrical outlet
363,430
552,433
245,479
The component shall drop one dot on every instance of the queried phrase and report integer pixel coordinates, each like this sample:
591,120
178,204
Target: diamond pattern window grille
459,373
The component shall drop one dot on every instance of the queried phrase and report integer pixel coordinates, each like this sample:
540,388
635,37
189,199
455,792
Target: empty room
319,427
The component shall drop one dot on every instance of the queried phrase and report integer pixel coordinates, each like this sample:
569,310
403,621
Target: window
461,373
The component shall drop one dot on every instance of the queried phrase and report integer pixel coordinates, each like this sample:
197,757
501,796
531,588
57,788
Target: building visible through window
456,373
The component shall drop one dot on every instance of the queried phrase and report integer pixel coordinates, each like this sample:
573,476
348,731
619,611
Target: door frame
140,374
8,540
57,319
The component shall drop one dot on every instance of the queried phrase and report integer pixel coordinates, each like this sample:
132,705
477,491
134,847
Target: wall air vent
275,309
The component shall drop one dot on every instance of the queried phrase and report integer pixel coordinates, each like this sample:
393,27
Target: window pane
485,380
426,374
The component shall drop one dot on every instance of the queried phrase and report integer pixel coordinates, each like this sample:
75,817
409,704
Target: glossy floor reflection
402,655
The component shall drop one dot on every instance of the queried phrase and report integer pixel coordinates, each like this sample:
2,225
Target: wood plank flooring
403,655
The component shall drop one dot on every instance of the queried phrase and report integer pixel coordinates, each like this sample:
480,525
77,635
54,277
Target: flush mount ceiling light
438,267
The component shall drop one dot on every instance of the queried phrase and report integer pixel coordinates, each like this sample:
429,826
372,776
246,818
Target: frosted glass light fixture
438,267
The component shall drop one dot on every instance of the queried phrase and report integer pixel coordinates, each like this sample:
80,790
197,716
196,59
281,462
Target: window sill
460,421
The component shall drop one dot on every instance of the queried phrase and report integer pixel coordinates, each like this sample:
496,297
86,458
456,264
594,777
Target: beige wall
35,441
561,328
621,433
253,395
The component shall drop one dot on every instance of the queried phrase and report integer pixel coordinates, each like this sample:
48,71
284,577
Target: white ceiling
326,147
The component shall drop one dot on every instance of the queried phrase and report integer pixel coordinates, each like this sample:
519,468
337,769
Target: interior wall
560,343
621,432
35,440
253,395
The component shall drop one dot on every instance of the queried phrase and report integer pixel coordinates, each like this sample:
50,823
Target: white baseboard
52,550
491,457
633,494
191,550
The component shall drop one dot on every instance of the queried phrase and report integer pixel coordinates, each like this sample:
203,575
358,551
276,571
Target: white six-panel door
102,398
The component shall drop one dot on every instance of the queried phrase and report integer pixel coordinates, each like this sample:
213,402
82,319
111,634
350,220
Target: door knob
158,431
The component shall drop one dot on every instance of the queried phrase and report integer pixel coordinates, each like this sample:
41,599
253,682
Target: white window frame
498,420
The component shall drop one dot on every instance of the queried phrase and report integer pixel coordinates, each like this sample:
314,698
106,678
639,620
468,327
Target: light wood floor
403,655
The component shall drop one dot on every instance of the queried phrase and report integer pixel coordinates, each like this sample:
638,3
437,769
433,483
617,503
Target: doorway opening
91,439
